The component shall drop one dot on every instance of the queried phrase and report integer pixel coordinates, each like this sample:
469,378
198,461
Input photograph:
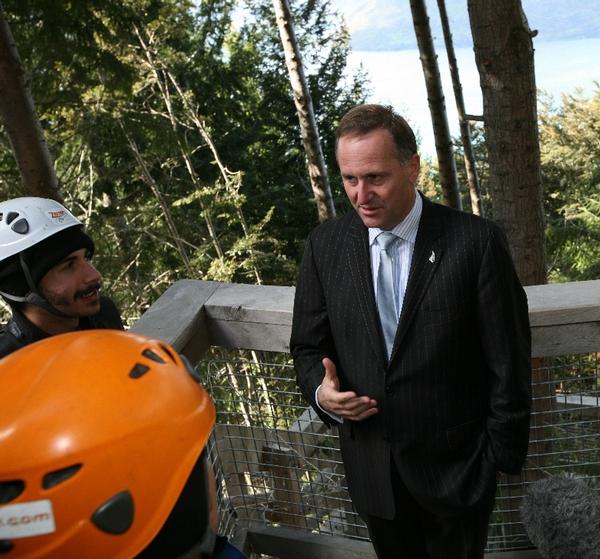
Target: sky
557,18
363,14
396,77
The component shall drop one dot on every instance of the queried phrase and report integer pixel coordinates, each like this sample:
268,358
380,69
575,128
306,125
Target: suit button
388,389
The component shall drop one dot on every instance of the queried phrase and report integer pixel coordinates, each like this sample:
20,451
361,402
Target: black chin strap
204,549
33,297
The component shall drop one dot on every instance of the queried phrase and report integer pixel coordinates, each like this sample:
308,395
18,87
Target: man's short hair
363,119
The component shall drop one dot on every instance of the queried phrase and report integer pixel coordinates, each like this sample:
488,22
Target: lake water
397,79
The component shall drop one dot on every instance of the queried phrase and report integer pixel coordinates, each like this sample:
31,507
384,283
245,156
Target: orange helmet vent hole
10,490
169,354
116,515
52,479
6,546
153,356
138,370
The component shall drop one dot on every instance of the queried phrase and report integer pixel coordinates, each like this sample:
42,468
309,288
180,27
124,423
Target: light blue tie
386,300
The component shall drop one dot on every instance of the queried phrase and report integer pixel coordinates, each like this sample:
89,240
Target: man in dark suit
430,408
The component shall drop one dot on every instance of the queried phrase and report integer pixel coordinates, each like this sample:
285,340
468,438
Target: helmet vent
116,515
154,356
10,490
20,226
169,353
138,370
6,546
11,216
58,476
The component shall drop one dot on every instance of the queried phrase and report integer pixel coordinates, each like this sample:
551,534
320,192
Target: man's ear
414,167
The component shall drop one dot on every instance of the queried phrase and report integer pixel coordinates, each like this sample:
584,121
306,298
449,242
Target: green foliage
570,155
154,104
273,161
570,150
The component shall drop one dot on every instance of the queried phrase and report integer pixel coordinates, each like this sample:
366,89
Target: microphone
562,518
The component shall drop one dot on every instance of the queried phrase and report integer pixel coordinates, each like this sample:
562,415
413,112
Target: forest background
176,141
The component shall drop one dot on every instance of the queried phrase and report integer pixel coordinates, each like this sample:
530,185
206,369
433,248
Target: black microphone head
562,518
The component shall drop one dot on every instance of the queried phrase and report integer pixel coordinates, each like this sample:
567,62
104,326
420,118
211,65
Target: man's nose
363,192
91,274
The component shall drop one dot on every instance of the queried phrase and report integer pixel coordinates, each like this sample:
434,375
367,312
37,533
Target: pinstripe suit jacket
454,399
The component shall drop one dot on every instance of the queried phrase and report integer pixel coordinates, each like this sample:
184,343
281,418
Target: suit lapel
359,264
425,261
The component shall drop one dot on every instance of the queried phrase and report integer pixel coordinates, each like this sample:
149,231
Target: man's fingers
332,399
330,370
354,407
360,412
354,403
344,404
367,413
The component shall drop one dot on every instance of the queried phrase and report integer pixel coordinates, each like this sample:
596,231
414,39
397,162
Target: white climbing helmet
24,222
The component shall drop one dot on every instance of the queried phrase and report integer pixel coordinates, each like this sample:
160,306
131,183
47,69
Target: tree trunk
437,105
504,57
20,120
304,107
465,133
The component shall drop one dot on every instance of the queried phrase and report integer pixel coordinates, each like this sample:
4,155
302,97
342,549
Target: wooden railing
194,315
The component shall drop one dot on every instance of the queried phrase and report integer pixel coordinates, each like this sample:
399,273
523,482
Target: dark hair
40,258
363,119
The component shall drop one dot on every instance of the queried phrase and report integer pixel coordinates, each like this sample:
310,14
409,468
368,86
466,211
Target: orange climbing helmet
102,444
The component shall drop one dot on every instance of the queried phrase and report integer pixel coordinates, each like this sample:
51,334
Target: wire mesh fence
277,464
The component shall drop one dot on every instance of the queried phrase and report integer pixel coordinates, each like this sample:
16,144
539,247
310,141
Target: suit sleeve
503,321
311,338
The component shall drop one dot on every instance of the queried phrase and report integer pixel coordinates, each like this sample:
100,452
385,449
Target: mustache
94,286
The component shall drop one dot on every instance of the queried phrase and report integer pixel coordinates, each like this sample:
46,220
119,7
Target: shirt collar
407,228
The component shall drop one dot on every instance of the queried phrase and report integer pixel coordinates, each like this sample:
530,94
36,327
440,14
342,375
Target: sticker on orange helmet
22,520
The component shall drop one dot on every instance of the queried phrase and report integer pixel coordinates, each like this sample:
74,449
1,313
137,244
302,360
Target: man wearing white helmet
46,274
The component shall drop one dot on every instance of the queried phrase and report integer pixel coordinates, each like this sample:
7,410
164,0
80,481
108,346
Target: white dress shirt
401,253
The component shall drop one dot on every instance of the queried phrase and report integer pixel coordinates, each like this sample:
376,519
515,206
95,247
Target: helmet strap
34,297
204,549
27,273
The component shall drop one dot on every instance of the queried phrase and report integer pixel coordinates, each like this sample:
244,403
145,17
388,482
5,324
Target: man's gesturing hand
343,404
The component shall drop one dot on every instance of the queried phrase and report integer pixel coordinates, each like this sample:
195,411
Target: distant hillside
387,24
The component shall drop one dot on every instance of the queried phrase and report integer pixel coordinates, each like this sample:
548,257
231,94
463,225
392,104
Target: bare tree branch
306,115
149,180
21,122
437,105
465,132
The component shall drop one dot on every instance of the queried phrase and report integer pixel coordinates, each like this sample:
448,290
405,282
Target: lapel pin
432,257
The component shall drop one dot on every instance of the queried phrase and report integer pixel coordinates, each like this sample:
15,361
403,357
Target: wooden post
282,462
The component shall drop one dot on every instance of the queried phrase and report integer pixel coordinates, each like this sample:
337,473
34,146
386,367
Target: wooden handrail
192,315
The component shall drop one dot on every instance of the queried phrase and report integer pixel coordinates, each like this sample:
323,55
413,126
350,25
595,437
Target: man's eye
350,180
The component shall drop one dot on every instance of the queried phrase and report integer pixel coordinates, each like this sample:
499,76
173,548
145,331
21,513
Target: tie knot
385,240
